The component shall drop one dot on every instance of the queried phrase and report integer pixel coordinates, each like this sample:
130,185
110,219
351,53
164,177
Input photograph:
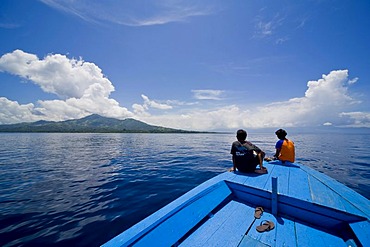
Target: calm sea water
84,189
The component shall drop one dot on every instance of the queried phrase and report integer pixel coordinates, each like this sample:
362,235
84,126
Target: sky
193,65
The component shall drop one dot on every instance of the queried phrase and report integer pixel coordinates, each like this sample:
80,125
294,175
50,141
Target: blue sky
200,65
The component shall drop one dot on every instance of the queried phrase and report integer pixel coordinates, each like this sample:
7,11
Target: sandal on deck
265,226
258,212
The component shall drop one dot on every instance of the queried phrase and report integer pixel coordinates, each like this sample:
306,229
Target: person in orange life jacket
245,155
285,150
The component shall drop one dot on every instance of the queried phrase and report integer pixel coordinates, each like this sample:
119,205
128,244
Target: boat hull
307,208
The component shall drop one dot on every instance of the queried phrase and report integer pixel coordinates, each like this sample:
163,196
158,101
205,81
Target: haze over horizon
192,65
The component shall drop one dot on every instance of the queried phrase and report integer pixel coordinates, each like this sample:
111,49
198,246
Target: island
90,124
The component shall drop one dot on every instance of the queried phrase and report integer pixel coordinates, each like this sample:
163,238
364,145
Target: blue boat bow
307,208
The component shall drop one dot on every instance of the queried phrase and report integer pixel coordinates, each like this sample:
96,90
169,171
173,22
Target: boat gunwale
238,183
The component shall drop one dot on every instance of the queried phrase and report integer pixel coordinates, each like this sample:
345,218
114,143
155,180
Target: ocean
59,189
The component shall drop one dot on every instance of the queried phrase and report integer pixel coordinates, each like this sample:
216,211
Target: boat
298,205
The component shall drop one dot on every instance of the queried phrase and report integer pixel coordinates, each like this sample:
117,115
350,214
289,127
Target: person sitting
285,150
245,155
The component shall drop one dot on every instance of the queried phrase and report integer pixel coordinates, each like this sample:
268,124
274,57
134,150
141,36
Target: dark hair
281,134
241,135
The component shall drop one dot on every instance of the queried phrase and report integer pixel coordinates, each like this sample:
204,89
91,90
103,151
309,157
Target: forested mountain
90,124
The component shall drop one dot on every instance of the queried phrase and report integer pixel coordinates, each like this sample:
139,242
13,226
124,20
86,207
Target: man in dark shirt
245,155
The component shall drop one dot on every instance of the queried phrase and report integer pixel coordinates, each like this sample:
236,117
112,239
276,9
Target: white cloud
207,94
153,104
12,111
80,85
134,13
83,89
278,25
142,110
352,81
327,124
330,89
356,119
325,100
265,27
227,117
56,73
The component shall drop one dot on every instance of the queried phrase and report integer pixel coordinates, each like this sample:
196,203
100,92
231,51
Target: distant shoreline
113,132
98,124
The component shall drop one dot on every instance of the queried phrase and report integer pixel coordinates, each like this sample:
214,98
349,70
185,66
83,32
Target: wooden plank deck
232,221
291,233
312,187
318,190
220,212
309,185
227,228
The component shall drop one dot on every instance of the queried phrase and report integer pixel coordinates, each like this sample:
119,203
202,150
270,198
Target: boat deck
307,207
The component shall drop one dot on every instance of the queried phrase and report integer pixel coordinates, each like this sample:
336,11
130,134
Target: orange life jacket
287,152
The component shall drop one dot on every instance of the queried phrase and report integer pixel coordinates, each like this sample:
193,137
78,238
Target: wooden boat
307,208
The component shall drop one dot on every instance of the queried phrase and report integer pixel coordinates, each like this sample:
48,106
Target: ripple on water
83,189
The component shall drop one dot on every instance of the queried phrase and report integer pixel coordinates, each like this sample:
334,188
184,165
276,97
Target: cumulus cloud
151,103
57,74
81,87
326,101
227,117
142,110
323,101
12,112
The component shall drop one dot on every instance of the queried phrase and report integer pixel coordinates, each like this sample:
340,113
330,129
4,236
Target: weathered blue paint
307,207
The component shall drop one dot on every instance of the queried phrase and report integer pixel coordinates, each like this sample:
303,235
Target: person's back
285,149
245,155
287,152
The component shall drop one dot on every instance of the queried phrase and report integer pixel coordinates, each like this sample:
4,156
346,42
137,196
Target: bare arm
234,167
261,156
276,155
